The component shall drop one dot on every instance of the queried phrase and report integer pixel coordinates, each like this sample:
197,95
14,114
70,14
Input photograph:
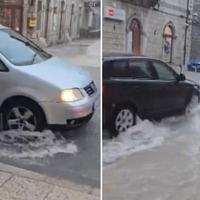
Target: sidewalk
84,52
20,184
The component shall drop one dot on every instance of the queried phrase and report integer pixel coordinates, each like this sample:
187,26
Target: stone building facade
57,20
152,28
92,18
195,43
45,21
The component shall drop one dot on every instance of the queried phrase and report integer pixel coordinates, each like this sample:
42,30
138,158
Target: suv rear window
120,69
116,69
140,69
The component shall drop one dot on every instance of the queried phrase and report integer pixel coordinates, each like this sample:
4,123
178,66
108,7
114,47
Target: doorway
134,33
11,16
168,42
136,37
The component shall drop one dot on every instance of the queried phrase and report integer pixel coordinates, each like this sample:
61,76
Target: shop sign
114,13
32,22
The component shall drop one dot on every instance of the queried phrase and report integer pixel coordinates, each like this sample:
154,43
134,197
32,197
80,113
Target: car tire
23,115
194,101
123,118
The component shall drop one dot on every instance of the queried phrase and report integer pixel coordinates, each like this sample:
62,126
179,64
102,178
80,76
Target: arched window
168,39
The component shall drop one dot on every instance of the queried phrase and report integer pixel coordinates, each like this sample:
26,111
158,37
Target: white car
37,89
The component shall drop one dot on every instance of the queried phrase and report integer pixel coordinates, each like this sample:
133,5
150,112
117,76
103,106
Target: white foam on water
144,135
15,144
147,135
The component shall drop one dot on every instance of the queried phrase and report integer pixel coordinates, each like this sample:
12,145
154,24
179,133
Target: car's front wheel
23,115
124,117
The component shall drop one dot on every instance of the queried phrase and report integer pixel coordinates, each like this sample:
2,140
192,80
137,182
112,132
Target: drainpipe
186,31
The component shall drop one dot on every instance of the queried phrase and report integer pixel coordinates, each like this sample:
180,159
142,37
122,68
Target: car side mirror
181,77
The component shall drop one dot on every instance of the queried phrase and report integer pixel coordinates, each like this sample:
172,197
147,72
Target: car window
120,69
20,51
3,68
163,71
140,70
107,68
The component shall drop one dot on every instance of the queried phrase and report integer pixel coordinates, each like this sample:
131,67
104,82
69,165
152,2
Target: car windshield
19,50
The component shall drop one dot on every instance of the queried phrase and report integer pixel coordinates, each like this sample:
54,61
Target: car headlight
70,95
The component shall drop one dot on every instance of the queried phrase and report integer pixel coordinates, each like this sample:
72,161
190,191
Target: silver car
37,89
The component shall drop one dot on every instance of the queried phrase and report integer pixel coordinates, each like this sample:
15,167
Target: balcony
144,3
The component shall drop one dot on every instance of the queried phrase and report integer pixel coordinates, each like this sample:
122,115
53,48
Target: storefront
11,14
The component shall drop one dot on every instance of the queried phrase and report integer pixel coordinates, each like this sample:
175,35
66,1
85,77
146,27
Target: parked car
145,87
194,65
38,89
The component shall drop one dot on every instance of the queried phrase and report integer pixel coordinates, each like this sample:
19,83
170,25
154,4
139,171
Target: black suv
142,86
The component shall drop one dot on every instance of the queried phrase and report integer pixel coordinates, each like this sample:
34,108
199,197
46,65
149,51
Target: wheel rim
21,118
124,120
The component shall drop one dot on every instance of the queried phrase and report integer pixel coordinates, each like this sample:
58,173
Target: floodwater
19,144
155,161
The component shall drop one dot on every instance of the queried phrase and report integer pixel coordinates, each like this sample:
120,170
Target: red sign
111,12
114,13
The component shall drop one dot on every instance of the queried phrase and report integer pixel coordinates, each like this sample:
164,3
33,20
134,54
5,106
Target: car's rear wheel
23,115
124,117
192,104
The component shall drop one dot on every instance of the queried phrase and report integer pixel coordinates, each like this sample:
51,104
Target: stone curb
60,182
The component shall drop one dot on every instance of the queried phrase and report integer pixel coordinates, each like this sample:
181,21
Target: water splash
15,144
147,135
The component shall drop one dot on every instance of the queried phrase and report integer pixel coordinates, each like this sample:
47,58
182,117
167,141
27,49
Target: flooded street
155,161
26,145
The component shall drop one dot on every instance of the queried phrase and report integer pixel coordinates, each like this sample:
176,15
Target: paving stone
75,195
68,194
58,194
19,184
19,188
4,177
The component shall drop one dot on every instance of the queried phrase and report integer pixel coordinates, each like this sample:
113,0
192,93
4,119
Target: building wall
56,30
92,18
195,44
117,39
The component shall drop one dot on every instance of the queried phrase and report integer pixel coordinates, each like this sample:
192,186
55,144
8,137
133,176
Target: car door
172,94
115,79
144,87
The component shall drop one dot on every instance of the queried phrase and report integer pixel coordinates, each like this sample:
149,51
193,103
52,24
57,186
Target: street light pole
186,31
